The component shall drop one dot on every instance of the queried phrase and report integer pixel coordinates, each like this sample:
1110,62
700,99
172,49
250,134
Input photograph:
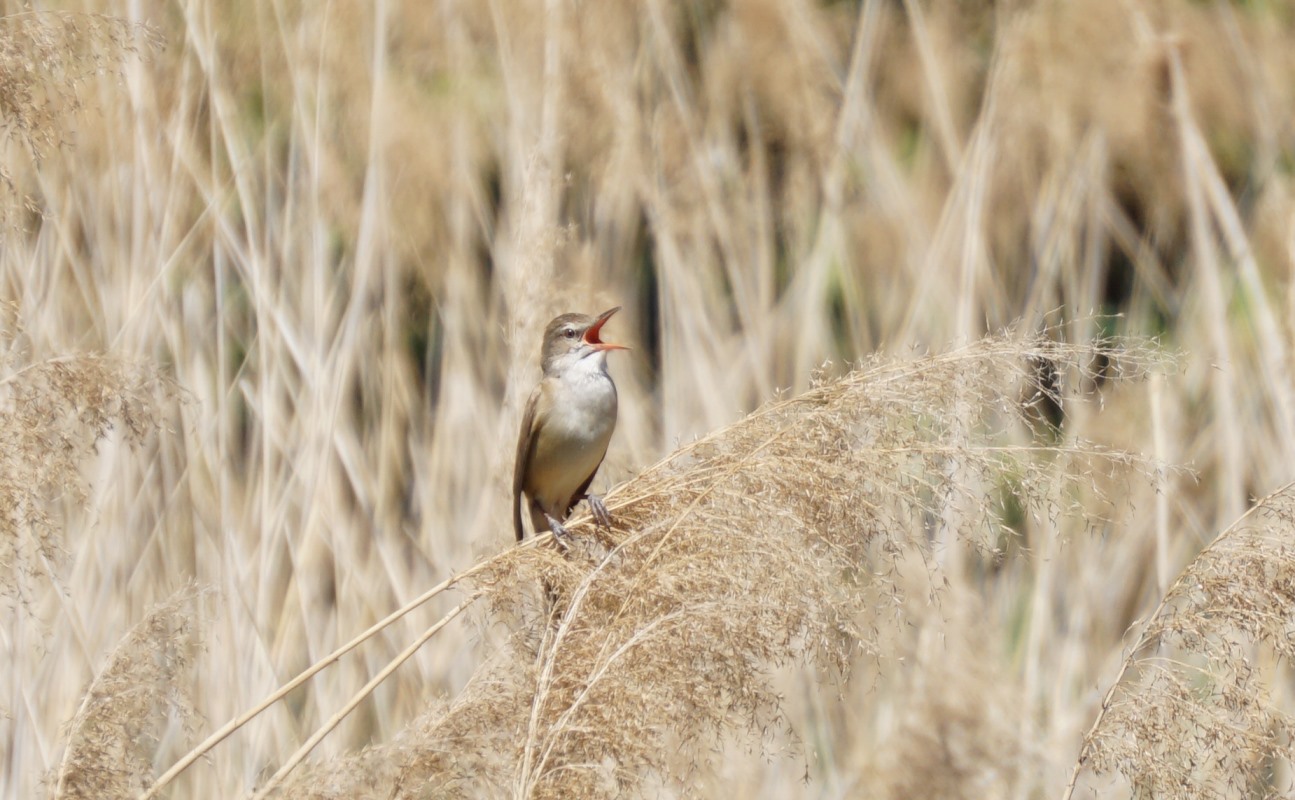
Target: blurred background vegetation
332,232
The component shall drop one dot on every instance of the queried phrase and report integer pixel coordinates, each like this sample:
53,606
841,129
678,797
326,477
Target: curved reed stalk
234,724
357,698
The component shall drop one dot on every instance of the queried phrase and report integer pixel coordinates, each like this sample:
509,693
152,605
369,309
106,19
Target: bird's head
573,337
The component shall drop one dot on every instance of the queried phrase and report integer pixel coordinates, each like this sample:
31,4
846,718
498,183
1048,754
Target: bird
567,425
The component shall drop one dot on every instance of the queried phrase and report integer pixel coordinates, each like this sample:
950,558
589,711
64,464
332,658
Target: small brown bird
568,422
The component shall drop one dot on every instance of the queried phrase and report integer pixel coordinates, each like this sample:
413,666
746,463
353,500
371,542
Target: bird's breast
572,436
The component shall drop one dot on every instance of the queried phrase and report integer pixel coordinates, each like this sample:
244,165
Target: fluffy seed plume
45,58
52,414
1190,714
768,542
112,740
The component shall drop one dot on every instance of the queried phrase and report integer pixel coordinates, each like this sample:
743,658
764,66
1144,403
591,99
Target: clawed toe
601,517
560,532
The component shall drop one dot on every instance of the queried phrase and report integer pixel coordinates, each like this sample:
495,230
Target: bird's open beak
591,335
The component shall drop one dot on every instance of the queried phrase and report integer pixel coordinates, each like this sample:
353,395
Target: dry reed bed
338,225
771,541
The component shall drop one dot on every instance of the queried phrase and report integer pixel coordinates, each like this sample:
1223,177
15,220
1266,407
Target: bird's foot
599,510
560,532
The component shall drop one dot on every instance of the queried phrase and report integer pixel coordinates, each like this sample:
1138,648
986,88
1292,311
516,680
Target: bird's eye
570,333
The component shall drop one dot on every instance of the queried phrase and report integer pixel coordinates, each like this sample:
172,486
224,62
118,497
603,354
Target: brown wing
525,447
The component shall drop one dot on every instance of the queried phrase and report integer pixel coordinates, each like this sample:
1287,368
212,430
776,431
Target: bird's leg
596,507
560,532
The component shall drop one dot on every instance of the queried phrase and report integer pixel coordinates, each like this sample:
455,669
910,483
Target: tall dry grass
275,292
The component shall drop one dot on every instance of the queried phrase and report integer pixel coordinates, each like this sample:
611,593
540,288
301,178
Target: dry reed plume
772,541
53,413
46,60
1191,713
113,739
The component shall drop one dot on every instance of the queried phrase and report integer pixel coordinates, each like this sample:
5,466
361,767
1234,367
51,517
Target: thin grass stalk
1231,473
242,719
1162,487
359,697
938,95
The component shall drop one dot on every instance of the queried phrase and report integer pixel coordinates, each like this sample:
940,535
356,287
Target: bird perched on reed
567,425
